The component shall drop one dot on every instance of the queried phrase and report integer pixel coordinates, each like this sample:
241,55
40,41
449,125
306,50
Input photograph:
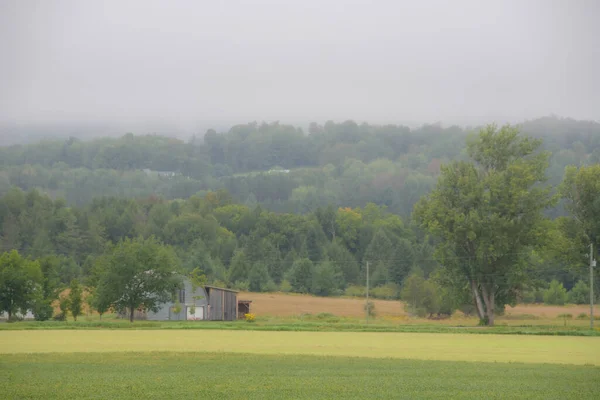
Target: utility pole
592,265
367,305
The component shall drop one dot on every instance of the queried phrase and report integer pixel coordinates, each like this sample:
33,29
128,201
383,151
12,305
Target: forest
268,207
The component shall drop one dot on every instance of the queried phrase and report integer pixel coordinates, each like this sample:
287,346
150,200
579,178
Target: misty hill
278,166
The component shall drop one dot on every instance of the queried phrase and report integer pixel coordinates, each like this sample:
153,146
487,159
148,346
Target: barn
198,303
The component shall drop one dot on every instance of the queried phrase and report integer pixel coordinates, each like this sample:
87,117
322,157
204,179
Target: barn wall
223,305
165,313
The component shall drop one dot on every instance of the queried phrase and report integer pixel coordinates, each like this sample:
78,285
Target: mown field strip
421,346
227,376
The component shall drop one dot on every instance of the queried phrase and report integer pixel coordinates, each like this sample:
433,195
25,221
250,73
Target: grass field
230,364
450,347
243,376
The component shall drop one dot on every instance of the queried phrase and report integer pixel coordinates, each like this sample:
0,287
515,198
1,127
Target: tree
326,279
258,277
239,268
488,215
581,191
556,294
138,274
300,275
43,309
20,283
75,301
580,294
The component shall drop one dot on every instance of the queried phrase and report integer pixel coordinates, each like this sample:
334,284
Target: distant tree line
345,164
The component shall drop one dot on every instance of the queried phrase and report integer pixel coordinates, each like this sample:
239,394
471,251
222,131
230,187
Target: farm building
199,303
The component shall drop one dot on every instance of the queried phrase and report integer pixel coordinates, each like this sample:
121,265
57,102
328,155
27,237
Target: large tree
488,214
20,283
138,273
581,191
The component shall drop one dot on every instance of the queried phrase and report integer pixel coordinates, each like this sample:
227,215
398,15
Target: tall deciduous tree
138,273
75,300
581,191
20,283
488,213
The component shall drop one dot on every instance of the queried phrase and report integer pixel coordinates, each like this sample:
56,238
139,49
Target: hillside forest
453,218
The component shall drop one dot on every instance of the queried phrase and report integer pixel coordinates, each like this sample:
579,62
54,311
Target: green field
242,376
235,364
450,347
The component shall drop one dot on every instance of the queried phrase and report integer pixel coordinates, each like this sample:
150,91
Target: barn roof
220,288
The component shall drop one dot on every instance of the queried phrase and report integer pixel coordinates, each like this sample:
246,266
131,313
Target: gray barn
200,303
222,304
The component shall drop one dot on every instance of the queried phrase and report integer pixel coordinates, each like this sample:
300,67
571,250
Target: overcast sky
196,62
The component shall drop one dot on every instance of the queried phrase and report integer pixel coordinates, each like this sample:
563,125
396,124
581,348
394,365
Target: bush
60,317
250,317
285,286
389,291
270,286
580,294
422,296
43,310
583,316
531,296
369,308
355,291
325,315
556,294
565,316
242,286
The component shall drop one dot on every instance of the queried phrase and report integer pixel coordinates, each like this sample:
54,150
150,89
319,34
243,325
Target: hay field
281,305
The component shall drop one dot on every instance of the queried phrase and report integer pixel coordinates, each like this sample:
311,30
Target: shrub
250,317
565,316
531,296
389,291
583,316
580,294
325,315
285,286
369,308
355,291
422,296
43,310
556,294
242,286
270,286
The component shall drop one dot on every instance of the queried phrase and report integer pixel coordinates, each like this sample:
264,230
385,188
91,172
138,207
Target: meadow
157,375
297,348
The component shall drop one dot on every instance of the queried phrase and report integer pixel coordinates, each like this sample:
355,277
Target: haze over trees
266,207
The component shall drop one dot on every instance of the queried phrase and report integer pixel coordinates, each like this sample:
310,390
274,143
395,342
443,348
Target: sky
193,64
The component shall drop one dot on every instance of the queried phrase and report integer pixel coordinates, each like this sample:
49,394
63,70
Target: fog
188,65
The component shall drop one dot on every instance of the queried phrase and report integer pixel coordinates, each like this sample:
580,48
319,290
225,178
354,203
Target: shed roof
220,288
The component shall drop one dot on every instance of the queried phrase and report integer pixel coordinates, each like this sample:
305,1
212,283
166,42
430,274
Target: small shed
243,308
198,303
222,303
